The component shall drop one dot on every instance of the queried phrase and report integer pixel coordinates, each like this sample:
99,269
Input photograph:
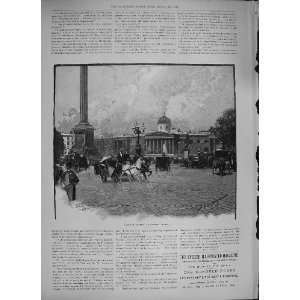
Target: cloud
192,96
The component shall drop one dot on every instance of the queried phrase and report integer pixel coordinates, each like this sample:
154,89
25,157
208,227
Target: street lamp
138,130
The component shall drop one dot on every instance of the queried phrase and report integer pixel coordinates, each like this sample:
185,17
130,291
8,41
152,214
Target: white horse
133,171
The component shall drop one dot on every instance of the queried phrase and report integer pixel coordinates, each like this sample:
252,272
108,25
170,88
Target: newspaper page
149,137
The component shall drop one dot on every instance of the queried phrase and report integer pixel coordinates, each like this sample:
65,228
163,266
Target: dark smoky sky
192,96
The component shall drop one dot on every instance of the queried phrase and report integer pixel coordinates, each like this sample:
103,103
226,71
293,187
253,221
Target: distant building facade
113,145
166,140
173,142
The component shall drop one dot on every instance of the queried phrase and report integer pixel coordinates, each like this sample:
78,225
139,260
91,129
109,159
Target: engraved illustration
149,139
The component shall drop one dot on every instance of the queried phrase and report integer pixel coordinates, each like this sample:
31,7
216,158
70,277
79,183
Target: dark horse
103,169
219,164
145,168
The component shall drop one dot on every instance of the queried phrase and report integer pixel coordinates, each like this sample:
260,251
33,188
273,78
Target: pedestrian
69,182
58,173
120,157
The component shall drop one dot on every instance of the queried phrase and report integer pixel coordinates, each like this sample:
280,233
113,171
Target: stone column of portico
167,145
146,146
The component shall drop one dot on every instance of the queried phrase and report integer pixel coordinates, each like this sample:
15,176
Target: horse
108,168
228,167
219,164
103,171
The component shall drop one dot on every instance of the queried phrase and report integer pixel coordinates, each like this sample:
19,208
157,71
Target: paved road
184,192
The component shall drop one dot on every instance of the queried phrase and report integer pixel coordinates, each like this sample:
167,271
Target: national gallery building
165,140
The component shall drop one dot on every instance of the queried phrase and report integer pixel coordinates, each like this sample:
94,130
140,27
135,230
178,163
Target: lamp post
138,130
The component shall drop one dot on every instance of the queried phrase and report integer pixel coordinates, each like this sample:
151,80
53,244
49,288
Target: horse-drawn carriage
162,163
196,161
200,160
222,162
117,170
107,167
78,161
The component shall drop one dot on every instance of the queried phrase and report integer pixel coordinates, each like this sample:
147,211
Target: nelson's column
84,131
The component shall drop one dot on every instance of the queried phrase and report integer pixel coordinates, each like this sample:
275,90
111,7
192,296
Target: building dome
164,120
164,123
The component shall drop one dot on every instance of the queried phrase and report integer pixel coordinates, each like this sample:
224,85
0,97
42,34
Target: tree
58,145
225,128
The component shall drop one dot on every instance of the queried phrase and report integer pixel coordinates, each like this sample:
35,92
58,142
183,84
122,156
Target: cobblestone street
183,192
